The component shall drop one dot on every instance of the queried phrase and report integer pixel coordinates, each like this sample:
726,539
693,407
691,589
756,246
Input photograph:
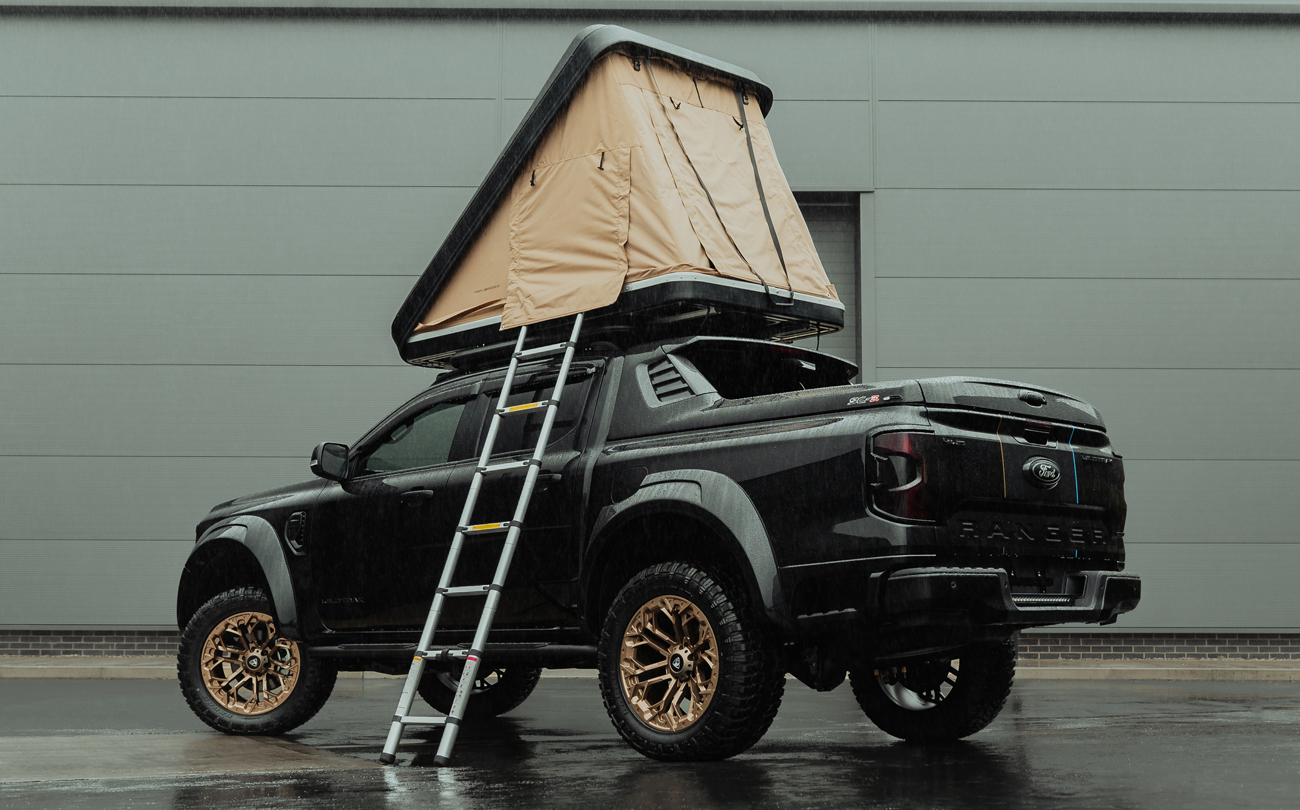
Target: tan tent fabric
647,172
586,196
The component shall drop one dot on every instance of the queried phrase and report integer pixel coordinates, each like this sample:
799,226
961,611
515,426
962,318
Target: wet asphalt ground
1058,744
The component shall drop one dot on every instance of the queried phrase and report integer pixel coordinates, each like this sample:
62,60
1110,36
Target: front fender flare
260,538
717,501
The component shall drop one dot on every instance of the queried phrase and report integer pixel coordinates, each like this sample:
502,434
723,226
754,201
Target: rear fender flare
260,538
716,501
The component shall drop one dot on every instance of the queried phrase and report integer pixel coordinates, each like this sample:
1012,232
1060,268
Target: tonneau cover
1007,396
631,190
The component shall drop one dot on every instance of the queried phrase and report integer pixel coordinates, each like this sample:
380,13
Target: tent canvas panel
585,198
645,169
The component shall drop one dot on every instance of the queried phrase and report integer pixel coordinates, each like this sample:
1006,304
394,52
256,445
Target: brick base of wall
1082,646
89,642
1034,645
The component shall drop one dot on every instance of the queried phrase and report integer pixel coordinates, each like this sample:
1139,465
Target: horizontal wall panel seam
271,320
303,232
1040,277
1127,457
96,540
245,141
215,275
1087,59
1117,101
1103,144
251,97
143,455
1215,189
1106,368
393,364
517,11
239,185
1149,324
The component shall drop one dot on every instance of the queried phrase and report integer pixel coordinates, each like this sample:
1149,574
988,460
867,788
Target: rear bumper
915,612
984,596
850,592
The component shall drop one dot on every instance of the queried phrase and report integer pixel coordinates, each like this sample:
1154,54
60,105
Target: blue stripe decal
1075,461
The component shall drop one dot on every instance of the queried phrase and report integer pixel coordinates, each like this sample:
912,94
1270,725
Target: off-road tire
315,678
749,679
981,687
511,688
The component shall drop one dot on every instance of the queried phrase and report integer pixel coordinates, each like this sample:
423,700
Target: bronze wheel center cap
254,661
680,663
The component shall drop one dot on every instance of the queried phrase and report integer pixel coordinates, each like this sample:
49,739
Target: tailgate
1001,485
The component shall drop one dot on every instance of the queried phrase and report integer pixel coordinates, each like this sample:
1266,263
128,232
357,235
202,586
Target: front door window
421,441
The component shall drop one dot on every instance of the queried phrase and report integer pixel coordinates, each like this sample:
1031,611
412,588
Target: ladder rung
422,721
527,406
508,465
455,654
467,590
542,351
486,528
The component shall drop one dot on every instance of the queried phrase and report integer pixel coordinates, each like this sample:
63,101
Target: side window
420,441
520,432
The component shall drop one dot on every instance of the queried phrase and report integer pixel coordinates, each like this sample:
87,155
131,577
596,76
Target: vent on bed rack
667,382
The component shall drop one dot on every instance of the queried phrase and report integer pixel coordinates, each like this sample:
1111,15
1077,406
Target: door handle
544,480
417,495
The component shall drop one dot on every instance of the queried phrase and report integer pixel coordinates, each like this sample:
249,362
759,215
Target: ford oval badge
1042,472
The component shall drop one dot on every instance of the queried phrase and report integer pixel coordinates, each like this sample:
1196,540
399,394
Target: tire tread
989,670
747,699
315,681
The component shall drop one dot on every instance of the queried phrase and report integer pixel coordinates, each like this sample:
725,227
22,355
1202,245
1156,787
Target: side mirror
330,460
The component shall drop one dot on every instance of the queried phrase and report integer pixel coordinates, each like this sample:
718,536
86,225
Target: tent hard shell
641,188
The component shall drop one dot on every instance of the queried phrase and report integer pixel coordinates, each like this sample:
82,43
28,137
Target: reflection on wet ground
1075,744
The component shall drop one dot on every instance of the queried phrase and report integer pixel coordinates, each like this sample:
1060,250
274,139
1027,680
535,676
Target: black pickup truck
711,514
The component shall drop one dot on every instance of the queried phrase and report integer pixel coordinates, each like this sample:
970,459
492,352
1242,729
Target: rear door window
520,433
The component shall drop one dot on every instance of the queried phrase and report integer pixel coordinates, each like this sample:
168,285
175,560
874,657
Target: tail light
899,487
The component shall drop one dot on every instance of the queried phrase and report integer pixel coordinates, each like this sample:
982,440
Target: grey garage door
834,228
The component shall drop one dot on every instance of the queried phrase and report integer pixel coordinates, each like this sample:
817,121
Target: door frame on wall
859,209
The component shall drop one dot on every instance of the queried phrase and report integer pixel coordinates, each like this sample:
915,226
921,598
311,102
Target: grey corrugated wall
206,225
1110,209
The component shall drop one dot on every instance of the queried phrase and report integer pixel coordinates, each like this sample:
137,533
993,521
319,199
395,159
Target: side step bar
552,656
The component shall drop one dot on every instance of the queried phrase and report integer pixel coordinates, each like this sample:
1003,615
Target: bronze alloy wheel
939,699
497,690
687,673
669,663
248,668
921,686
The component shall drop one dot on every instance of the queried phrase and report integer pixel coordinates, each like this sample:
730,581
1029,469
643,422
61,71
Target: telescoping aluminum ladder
512,528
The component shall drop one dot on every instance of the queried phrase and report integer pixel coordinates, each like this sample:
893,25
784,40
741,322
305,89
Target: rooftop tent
641,188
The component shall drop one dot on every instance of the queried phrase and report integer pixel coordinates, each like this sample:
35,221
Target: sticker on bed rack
871,400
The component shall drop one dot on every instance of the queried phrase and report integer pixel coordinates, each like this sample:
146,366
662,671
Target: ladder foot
440,761
388,759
